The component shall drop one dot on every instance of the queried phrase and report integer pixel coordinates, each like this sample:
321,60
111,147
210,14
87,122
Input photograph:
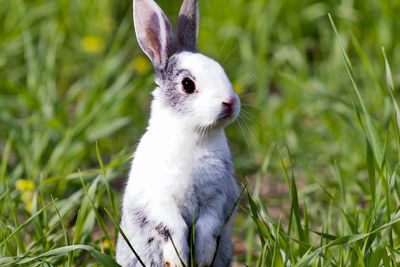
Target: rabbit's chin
226,121
203,130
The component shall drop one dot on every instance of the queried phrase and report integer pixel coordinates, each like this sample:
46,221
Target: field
316,148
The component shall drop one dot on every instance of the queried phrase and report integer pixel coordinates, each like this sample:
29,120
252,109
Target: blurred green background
72,74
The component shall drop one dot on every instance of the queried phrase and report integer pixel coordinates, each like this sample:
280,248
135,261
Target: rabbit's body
182,169
163,193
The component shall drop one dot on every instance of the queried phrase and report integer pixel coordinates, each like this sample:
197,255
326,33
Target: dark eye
188,86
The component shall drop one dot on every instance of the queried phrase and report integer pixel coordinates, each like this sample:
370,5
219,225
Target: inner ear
154,32
152,36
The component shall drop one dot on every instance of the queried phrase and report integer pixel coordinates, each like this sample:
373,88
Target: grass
317,146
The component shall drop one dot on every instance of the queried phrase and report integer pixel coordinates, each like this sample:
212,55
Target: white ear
188,25
154,32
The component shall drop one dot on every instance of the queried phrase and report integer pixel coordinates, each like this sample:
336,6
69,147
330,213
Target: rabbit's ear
154,32
188,25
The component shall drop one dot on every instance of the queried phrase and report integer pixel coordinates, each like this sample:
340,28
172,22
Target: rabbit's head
191,86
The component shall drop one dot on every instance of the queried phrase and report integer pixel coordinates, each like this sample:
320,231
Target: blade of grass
110,193
276,254
371,171
193,238
176,250
24,224
62,251
97,214
66,241
4,160
305,260
372,133
83,214
295,209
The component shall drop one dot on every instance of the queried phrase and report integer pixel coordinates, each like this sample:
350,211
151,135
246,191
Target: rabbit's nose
230,102
227,104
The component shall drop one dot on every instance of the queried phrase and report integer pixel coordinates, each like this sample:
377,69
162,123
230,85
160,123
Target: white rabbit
182,168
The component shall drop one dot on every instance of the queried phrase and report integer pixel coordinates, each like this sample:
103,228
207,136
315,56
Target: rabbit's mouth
225,115
228,112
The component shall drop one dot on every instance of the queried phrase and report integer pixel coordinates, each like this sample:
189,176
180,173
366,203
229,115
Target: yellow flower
25,185
141,64
92,44
27,199
106,245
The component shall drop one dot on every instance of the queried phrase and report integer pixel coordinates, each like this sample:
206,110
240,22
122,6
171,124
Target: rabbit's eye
188,86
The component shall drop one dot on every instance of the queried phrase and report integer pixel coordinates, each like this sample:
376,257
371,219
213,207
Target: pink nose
229,103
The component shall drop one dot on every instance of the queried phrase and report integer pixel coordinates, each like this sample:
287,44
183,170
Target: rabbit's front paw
205,250
171,258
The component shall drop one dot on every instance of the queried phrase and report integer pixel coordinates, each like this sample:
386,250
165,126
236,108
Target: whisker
253,120
249,117
250,106
228,55
243,133
228,37
247,126
254,93
231,62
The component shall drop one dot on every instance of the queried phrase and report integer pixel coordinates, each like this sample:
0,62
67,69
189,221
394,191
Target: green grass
317,146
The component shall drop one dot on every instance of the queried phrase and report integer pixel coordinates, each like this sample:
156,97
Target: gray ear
154,32
188,25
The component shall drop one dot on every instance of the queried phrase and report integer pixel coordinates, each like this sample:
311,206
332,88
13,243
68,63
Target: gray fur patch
144,236
163,231
141,219
170,79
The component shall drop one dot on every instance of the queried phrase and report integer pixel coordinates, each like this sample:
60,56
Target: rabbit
182,172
